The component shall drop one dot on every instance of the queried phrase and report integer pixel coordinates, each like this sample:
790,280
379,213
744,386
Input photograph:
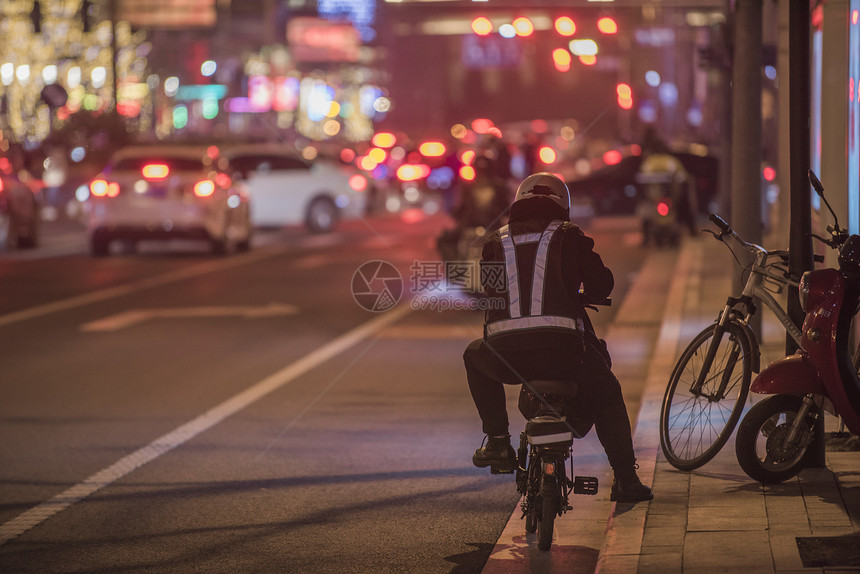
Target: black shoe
498,454
629,489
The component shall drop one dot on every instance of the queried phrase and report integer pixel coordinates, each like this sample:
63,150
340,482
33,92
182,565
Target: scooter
545,445
773,439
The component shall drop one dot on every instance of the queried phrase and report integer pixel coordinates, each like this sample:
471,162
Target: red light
357,182
549,468
769,173
607,25
565,26
663,208
204,188
612,157
636,150
223,180
1,186
523,27
482,26
538,126
467,173
481,125
347,155
155,171
212,152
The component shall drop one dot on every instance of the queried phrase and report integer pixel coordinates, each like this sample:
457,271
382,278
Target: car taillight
102,188
357,182
204,188
155,171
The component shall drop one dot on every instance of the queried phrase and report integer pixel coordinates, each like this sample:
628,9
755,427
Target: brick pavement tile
661,563
615,564
726,519
785,554
659,537
722,552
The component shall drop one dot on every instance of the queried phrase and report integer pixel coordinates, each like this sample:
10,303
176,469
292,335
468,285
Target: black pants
488,370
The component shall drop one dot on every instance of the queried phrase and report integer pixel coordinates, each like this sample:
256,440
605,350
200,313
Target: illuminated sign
172,14
201,92
317,40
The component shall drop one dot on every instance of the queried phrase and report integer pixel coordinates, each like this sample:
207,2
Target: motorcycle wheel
549,509
532,519
760,442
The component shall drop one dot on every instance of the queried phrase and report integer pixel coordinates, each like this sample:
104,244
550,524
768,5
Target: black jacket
580,267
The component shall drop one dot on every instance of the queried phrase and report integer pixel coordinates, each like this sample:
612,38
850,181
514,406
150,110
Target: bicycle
710,381
545,445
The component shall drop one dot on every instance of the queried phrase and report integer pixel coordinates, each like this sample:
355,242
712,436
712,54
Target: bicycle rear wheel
694,426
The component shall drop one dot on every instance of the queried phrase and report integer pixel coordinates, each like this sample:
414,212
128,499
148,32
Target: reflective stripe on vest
534,319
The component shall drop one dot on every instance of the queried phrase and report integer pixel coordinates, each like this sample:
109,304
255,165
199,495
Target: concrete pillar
746,124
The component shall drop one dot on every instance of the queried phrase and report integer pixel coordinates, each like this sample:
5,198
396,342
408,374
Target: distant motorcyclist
483,207
542,331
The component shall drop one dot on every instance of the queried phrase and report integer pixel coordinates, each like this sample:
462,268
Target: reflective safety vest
550,306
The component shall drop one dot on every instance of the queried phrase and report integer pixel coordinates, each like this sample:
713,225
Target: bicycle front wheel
695,423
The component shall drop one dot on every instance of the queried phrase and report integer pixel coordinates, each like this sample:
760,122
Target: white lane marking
135,316
157,281
189,430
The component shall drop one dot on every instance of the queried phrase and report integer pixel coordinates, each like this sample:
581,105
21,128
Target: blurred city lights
482,125
432,149
625,96
208,68
171,86
607,25
357,182
583,47
49,74
378,154
588,60
547,155
769,173
482,26
412,172
7,73
384,139
561,59
507,31
612,157
347,155
459,131
467,173
652,78
523,27
565,26
467,156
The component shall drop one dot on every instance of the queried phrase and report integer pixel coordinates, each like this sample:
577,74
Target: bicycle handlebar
725,228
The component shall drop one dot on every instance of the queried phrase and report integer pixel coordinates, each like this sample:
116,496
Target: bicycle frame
740,309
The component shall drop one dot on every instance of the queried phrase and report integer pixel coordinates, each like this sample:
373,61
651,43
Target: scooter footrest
501,471
585,485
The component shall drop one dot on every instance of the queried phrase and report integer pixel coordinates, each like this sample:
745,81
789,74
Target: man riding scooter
542,330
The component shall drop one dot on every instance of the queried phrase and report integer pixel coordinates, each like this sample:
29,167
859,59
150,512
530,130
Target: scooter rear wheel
549,510
760,445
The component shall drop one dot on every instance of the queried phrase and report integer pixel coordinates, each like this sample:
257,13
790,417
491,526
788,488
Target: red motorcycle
772,444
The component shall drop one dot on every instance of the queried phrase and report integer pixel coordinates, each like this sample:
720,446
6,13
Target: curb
625,528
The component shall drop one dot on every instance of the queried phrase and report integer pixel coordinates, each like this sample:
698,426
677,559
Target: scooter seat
545,429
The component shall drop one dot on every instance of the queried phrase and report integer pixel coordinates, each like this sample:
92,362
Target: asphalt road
172,411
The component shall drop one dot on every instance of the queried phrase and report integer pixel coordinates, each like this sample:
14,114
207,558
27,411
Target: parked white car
286,189
168,192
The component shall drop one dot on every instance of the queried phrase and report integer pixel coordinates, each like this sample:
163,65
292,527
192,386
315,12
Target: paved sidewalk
716,519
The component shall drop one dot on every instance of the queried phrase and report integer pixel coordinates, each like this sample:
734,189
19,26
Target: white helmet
547,185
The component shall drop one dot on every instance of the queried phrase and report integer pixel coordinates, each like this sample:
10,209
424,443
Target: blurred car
20,218
167,192
614,189
286,189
